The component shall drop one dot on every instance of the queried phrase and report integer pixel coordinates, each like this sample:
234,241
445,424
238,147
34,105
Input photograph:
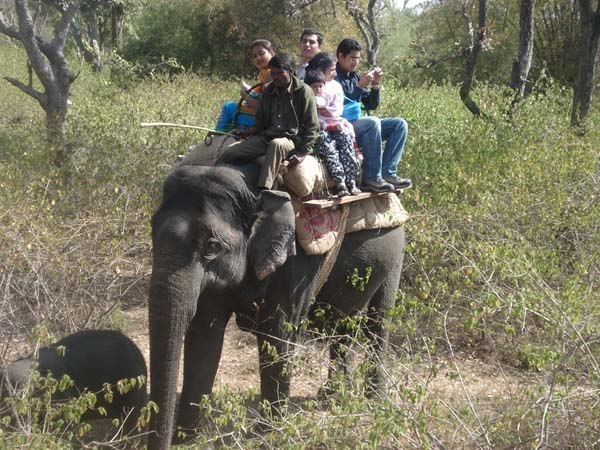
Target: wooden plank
335,201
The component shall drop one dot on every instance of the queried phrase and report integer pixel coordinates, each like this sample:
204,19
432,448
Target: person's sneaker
377,185
397,182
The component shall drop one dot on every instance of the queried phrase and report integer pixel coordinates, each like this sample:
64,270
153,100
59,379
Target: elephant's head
210,234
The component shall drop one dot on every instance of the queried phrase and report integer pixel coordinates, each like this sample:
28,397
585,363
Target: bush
503,234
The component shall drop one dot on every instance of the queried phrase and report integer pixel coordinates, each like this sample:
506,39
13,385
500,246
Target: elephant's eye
213,248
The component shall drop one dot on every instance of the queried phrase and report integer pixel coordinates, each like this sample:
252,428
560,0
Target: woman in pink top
335,144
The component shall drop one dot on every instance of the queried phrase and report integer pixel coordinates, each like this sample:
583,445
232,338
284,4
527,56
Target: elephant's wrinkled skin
213,243
90,358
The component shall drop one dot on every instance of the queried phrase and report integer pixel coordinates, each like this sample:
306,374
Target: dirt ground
456,383
461,376
453,378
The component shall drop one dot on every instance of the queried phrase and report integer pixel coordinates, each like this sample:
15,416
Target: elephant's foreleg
203,345
274,364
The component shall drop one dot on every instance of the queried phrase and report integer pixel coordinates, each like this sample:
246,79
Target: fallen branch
178,125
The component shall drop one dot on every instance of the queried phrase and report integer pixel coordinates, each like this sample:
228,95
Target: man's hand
366,79
377,75
372,77
295,158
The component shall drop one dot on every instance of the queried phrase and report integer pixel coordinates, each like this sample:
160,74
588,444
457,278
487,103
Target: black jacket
349,82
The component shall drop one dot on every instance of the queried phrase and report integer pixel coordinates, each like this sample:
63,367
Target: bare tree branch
91,57
13,32
62,30
367,23
8,29
372,25
523,63
39,96
30,42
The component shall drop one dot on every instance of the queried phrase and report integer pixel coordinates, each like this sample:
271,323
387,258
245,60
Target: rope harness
331,256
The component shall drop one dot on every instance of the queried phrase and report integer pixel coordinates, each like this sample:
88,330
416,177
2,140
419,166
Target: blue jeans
370,132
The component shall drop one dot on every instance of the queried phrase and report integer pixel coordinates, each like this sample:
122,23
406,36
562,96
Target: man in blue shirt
379,165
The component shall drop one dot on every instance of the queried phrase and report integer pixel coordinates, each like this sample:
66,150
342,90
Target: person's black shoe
377,185
397,182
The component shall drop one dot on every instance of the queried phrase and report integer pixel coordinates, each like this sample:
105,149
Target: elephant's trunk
171,307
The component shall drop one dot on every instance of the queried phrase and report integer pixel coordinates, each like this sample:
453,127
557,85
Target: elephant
90,358
220,248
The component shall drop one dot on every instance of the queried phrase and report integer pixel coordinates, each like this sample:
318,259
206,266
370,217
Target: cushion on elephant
384,211
309,176
316,229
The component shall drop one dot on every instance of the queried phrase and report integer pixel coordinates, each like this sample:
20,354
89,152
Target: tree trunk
472,56
588,53
523,63
117,19
94,38
49,64
367,23
55,128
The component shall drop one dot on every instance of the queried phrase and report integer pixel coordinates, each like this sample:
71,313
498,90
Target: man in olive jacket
286,124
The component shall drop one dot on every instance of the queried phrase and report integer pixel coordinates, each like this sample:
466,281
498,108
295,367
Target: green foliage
357,281
502,232
164,29
441,39
216,35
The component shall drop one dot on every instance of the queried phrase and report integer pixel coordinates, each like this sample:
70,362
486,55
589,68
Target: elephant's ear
273,238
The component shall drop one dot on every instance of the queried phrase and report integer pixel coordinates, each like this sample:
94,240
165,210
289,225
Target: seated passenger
286,124
310,44
241,114
335,144
380,164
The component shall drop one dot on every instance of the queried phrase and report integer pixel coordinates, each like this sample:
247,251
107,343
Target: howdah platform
335,201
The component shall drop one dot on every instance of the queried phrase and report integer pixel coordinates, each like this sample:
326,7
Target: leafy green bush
502,240
215,35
